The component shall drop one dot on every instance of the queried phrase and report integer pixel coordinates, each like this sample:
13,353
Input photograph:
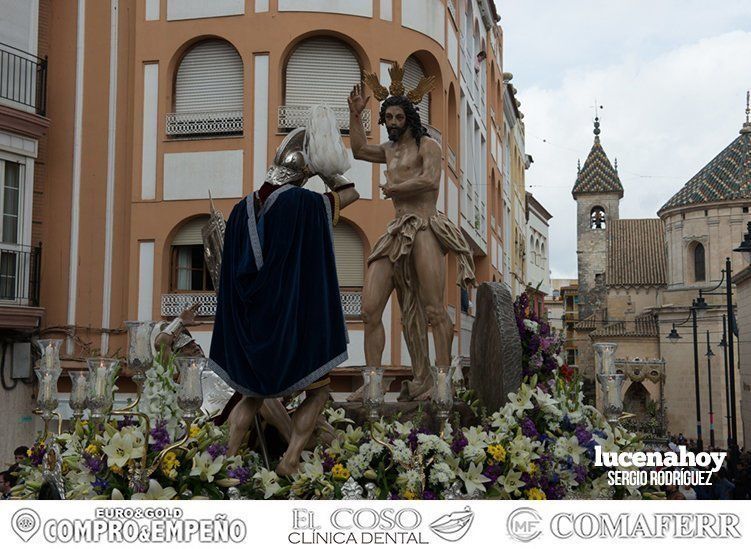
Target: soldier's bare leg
240,419
274,412
303,423
430,267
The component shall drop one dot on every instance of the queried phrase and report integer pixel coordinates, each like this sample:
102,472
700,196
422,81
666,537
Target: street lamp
709,356
674,336
745,245
724,344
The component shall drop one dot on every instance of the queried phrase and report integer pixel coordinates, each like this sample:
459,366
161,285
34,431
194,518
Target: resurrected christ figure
410,256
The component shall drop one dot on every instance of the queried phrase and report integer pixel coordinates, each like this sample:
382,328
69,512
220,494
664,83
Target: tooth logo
25,523
454,526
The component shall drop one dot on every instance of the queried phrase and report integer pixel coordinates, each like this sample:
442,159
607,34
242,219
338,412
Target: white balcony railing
205,123
174,304
452,9
295,116
352,304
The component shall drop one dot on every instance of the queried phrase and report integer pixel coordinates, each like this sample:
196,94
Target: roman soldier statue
279,326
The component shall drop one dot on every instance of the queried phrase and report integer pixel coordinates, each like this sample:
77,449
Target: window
189,271
597,218
208,91
350,259
321,70
571,357
413,73
699,264
10,181
11,176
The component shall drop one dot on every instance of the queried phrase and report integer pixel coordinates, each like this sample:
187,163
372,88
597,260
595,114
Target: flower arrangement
540,445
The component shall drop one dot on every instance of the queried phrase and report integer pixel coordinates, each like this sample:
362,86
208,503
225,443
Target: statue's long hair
410,112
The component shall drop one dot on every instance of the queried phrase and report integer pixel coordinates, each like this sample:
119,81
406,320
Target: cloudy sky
671,75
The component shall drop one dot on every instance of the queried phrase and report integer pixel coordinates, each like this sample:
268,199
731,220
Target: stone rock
496,348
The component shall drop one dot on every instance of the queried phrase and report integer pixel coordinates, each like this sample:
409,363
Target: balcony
452,9
173,304
20,268
23,79
210,123
295,116
19,274
352,303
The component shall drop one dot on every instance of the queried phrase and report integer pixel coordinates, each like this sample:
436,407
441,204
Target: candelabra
443,393
373,392
610,381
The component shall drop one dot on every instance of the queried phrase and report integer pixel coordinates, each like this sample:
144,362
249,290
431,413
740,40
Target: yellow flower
532,468
339,472
28,452
409,494
497,452
194,431
170,464
535,493
117,470
92,449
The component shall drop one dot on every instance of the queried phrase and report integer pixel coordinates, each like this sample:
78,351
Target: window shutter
349,256
210,78
413,73
190,233
321,70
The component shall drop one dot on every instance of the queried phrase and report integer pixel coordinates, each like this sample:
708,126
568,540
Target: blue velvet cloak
279,322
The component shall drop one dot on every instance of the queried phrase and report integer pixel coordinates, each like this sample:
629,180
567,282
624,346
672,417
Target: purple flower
534,344
240,473
160,435
459,444
492,472
428,494
95,464
580,473
328,463
528,428
216,450
582,435
412,437
37,454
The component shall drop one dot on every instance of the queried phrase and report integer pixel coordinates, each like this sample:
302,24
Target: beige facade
650,272
154,103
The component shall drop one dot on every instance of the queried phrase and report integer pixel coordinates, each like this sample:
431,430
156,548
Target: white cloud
670,104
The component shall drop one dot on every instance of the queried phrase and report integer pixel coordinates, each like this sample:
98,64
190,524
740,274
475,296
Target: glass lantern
47,397
443,391
50,351
372,396
102,374
140,352
605,357
189,388
79,380
612,403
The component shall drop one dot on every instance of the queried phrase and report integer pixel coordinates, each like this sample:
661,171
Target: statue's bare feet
287,467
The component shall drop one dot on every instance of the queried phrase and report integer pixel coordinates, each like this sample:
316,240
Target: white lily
511,482
521,401
205,466
121,447
473,478
569,446
269,482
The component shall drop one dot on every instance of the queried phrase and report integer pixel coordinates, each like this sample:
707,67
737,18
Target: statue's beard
396,132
